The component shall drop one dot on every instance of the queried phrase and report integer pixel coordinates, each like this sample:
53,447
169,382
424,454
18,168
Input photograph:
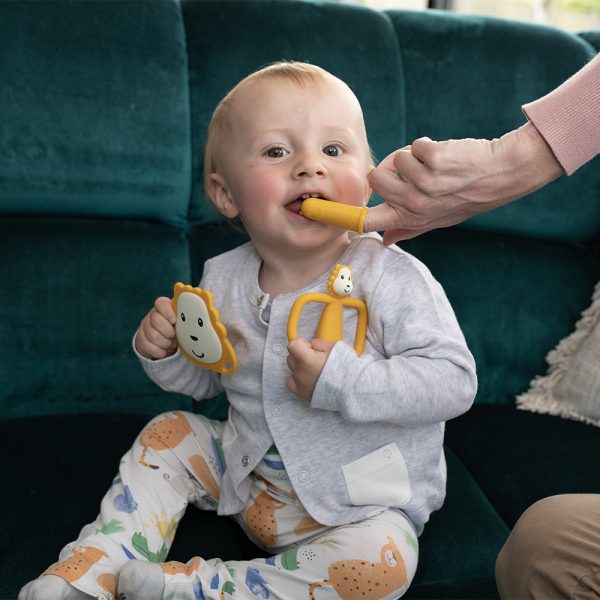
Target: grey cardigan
372,436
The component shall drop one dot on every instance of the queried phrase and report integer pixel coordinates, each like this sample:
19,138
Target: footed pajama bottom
177,460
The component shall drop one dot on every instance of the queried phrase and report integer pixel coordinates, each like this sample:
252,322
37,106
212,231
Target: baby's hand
306,361
156,334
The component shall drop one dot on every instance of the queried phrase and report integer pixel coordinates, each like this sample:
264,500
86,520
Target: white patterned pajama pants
177,460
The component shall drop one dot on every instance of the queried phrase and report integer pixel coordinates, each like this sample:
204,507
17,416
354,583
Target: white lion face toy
201,337
195,331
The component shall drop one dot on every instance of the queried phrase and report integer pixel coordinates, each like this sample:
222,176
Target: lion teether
201,337
339,286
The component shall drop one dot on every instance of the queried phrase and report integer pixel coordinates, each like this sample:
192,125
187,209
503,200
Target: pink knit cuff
569,117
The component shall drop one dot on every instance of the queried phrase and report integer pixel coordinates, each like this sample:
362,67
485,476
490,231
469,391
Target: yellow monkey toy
339,286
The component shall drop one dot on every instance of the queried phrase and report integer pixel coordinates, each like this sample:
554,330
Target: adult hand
306,361
444,183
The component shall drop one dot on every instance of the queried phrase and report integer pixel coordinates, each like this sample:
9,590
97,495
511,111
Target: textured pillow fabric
571,388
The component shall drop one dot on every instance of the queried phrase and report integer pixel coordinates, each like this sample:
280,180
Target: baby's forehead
266,94
279,85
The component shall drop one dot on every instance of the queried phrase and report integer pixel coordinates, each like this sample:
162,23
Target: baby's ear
218,192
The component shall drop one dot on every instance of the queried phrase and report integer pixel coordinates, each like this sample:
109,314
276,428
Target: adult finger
423,149
411,168
382,217
387,164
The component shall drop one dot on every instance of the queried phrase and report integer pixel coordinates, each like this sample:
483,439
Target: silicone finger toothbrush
335,213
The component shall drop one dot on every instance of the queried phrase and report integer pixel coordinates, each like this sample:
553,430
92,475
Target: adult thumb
380,218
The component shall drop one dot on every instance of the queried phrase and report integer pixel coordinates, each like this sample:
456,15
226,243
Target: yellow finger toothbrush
339,287
335,213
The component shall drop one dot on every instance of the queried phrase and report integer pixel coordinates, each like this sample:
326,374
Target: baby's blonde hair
300,73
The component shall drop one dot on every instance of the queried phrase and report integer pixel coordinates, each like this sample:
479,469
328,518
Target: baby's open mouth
295,206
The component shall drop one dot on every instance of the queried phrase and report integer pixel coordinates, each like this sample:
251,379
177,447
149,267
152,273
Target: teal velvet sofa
103,113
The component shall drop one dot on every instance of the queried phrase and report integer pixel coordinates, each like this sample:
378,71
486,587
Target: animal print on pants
177,460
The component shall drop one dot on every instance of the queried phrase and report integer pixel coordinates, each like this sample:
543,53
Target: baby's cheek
356,189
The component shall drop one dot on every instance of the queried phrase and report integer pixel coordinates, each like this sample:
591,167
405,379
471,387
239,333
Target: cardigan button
303,476
245,460
277,349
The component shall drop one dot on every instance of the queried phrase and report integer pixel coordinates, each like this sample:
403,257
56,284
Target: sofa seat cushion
65,464
518,457
459,546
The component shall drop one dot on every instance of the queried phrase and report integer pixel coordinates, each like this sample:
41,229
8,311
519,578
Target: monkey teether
339,286
201,337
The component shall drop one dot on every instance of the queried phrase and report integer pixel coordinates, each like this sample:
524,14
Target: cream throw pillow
571,387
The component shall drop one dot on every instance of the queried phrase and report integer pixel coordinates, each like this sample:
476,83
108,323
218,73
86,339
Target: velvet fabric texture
73,293
95,110
592,37
514,298
518,457
104,111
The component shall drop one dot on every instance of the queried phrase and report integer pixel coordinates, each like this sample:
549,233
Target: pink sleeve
569,117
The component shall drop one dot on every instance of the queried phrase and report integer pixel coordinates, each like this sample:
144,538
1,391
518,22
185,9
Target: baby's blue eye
277,152
333,150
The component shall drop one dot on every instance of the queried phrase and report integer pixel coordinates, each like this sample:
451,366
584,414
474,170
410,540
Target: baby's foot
50,587
139,580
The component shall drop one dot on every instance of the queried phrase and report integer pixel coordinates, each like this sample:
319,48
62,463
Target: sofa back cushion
100,137
95,111
95,143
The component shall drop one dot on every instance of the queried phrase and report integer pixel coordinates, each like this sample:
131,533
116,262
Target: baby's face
289,141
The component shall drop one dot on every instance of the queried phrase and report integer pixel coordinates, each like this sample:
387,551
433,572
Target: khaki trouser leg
553,551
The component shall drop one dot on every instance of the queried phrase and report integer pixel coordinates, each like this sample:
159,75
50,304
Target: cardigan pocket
380,478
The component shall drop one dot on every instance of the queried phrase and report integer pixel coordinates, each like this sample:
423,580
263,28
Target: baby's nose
311,172
310,165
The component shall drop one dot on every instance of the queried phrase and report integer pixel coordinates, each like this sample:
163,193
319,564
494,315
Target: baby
331,461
